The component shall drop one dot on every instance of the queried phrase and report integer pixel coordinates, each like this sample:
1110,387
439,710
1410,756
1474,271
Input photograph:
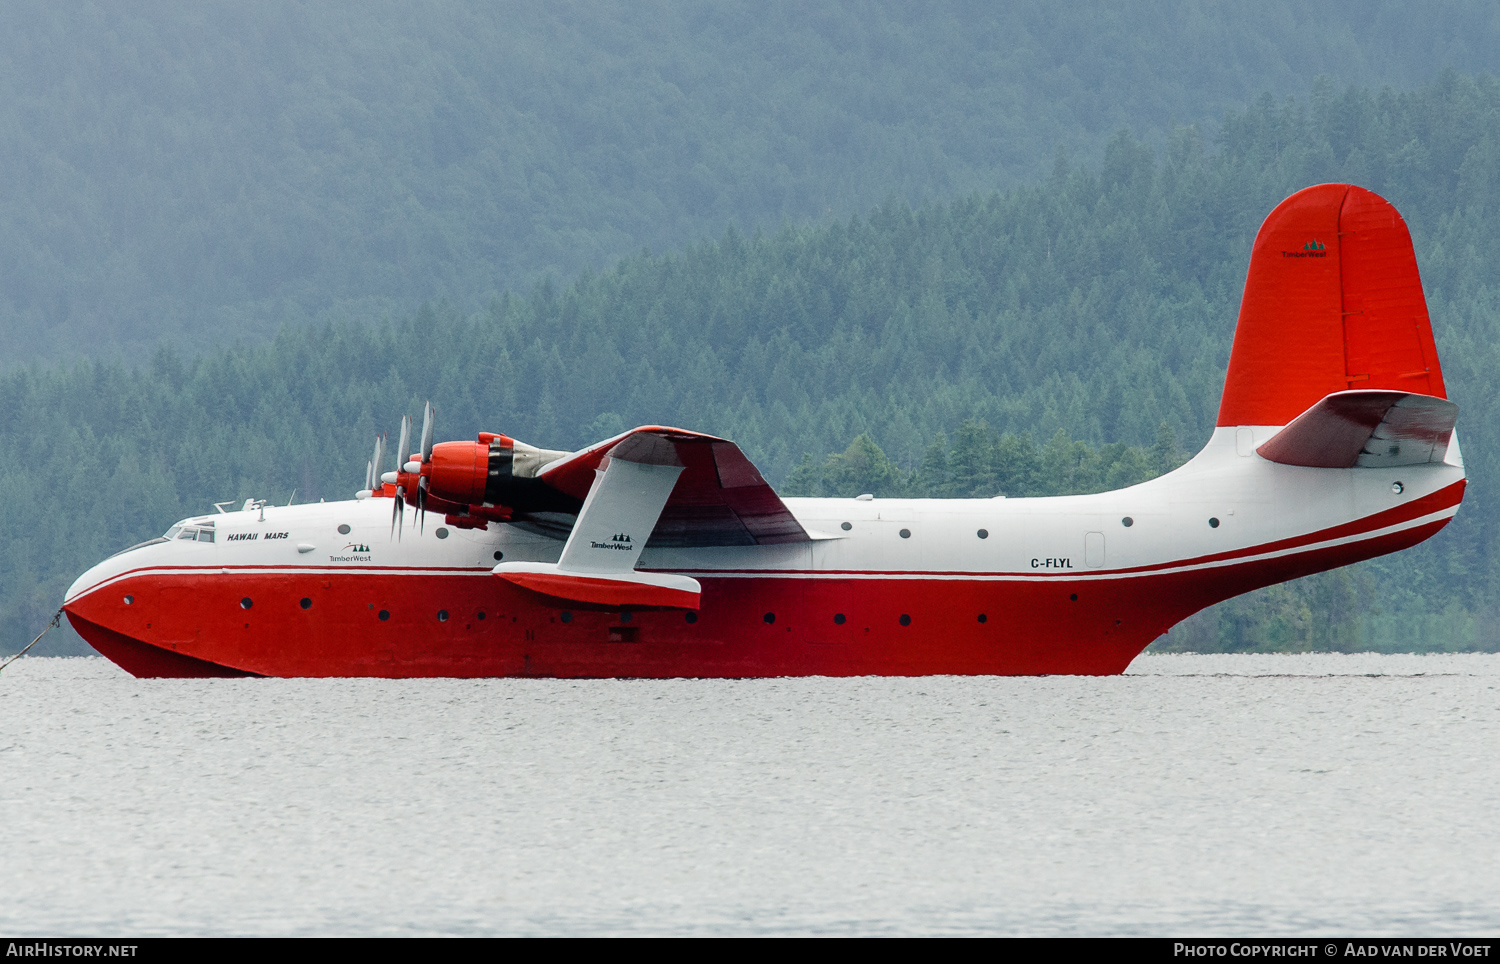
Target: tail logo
1312,249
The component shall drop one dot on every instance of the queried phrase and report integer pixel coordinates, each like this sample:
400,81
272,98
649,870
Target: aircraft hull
186,623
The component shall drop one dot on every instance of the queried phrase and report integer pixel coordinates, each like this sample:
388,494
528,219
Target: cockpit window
195,530
191,531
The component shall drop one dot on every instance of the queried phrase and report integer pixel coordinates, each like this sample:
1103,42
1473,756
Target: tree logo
1310,249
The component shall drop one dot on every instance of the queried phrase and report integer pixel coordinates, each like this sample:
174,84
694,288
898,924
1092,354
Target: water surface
1198,795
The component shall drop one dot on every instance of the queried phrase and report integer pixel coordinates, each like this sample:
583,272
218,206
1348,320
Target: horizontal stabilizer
1366,429
629,590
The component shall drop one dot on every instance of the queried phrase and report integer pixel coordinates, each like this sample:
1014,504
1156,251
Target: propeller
406,467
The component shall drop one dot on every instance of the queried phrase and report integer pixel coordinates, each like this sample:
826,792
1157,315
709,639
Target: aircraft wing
719,499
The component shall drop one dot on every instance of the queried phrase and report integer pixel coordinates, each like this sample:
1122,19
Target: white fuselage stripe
1168,569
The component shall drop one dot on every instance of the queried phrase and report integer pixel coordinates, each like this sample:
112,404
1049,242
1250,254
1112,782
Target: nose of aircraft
90,578
85,598
113,607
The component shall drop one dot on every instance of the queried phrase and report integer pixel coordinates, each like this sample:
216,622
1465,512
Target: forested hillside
1063,336
203,172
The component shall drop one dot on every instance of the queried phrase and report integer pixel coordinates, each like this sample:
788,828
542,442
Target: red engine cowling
458,472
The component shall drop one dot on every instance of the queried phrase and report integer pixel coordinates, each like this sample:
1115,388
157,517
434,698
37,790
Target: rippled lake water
1206,795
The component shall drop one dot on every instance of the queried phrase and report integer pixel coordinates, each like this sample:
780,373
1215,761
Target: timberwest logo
1312,249
356,547
619,540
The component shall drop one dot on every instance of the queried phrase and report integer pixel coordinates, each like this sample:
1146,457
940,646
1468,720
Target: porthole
906,533
305,603
441,533
983,533
1213,522
481,615
1073,596
344,529
442,615
690,616
385,614
625,617
838,619
1127,522
129,600
565,616
983,618
1397,488
905,620
846,526
246,603
499,555
769,618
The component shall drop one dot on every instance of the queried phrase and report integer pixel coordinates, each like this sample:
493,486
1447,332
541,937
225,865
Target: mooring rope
56,618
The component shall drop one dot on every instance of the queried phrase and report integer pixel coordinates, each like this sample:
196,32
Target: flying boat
663,552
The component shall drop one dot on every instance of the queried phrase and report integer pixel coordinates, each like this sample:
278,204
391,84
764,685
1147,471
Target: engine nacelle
495,472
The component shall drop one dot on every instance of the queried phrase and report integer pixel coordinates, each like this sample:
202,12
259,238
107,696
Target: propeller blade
398,505
369,476
375,462
429,415
422,504
403,448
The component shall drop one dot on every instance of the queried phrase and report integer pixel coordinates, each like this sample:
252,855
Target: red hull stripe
1435,507
347,571
1445,498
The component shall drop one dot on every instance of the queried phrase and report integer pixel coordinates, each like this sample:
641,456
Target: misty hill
1067,335
203,173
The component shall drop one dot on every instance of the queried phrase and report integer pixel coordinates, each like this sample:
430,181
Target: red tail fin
1332,302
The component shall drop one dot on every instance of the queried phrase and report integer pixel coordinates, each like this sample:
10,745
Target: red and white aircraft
662,552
